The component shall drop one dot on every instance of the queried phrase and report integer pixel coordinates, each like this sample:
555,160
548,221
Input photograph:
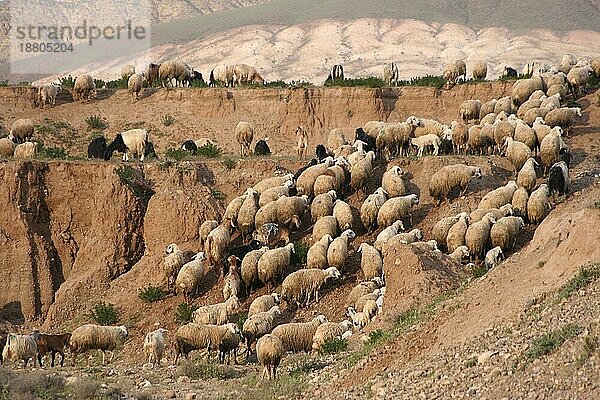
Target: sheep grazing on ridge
390,74
7,147
172,263
298,336
96,337
470,110
479,70
244,133
527,176
322,205
243,73
97,148
422,142
20,347
505,231
577,79
451,73
258,325
563,117
189,277
206,227
194,336
371,262
269,351
132,141
135,85
48,94
247,213
396,208
22,130
272,264
450,177
154,345
221,75
26,150
477,236
173,70
523,88
370,207
83,88
216,314
302,145
337,253
302,286
328,331
558,179
217,242
498,197
263,303
387,233
439,232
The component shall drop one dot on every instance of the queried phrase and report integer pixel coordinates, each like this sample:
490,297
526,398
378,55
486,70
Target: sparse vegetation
427,80
369,81
51,153
478,270
4,83
551,341
168,120
99,83
184,311
591,343
229,163
30,385
104,313
513,78
217,194
299,256
209,151
334,345
584,277
95,122
200,369
68,82
470,362
85,389
117,84
177,154
150,294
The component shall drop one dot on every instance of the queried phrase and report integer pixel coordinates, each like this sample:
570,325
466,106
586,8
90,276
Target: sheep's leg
103,356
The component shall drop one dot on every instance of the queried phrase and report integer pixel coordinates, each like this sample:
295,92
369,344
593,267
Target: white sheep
527,175
477,236
216,314
298,336
492,257
459,254
205,228
232,281
244,134
272,264
395,208
258,325
302,286
132,141
563,117
243,73
424,141
135,85
393,183
322,205
337,252
505,232
361,173
371,262
189,277
470,110
83,88
22,130
91,337
456,234
439,232
154,345
550,148
263,303
498,197
387,233
343,214
20,347
324,226
450,177
249,268
316,257
538,204
517,153
7,147
172,262
194,336
217,242
328,331
269,352
370,207
26,150
48,94
174,70
479,70
271,182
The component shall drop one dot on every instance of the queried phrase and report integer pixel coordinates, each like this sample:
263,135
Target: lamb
216,314
424,141
302,286
478,236
328,331
578,78
134,141
370,207
217,241
450,73
362,318
135,85
395,208
7,147
272,264
258,325
247,213
26,150
450,177
477,215
517,153
406,238
269,351
194,336
302,145
263,303
317,254
459,254
470,110
388,233
492,257
527,175
479,70
298,336
337,252
274,193
154,345
505,231
48,94
498,197
325,226
519,202
563,117
362,289
53,344
288,207
206,228
232,281
271,182
550,148
243,73
83,88
456,234
20,347
21,130
91,337
361,172
322,205
172,262
523,88
189,276
244,133
371,262
439,232
558,178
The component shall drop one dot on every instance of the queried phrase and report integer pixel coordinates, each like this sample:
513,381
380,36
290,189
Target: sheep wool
301,286
216,314
322,205
154,345
244,134
519,202
477,236
492,257
317,254
92,337
477,215
470,110
172,263
527,176
343,214
7,147
396,208
337,253
205,228
538,204
505,231
249,268
450,177
461,253
439,232
263,303
272,182
19,347
371,263
456,234
269,351
233,208
499,196
517,153
328,331
272,264
189,277
298,336
325,226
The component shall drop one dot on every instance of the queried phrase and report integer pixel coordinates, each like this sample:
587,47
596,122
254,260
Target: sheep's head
232,303
233,261
122,330
275,310
276,297
327,238
199,256
414,121
332,194
418,234
398,225
578,111
464,251
321,319
333,272
433,244
507,209
490,218
349,233
414,199
290,247
172,248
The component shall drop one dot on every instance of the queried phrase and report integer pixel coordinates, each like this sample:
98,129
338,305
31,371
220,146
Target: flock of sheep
527,127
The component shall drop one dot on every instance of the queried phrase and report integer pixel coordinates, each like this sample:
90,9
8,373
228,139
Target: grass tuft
177,154
184,312
203,370
584,277
209,151
95,122
168,120
104,313
591,343
334,345
150,294
217,194
299,256
229,163
551,341
369,81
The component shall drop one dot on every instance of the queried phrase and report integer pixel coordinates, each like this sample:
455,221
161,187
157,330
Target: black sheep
197,79
116,145
363,137
149,152
321,152
262,148
190,146
509,71
565,155
240,252
558,178
97,148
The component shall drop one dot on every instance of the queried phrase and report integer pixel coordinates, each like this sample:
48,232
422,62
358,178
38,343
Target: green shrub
209,151
95,122
150,294
24,83
427,80
99,83
104,314
203,370
584,277
299,256
229,163
276,84
551,341
197,83
117,84
138,185
334,345
217,194
4,83
184,312
52,153
67,82
177,154
168,120
370,81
